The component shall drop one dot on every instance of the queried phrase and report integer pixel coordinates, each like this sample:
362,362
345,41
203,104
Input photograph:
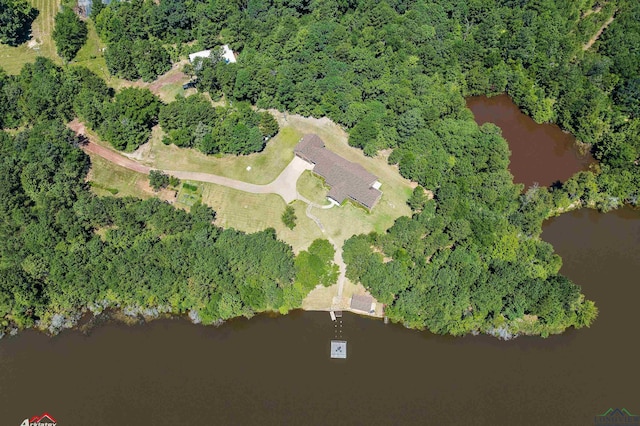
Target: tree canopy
128,119
69,33
194,122
16,17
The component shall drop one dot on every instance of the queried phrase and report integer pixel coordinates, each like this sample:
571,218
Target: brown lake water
540,153
274,371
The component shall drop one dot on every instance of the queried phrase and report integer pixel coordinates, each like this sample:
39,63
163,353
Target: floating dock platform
339,349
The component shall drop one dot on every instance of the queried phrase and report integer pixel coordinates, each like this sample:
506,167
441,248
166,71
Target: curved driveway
284,185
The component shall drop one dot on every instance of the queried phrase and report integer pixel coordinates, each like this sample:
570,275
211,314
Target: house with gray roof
347,180
362,302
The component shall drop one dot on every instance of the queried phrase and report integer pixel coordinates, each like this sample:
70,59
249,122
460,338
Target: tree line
194,123
45,91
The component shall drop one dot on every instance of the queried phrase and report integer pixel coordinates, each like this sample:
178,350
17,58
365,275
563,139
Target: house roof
361,302
226,53
345,178
200,54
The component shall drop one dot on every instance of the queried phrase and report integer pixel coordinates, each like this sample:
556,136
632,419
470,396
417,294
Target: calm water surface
539,152
277,371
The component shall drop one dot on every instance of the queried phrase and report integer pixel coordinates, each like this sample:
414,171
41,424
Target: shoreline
85,321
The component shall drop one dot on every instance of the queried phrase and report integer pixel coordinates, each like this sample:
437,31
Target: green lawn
170,91
251,212
349,219
105,177
254,212
342,222
92,56
108,179
264,166
312,187
12,59
234,209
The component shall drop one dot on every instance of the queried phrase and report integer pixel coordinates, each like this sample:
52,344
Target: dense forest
395,73
44,90
64,249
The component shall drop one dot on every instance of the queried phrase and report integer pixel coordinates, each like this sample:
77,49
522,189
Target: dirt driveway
284,185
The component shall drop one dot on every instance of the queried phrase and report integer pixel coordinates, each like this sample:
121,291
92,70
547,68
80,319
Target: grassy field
13,58
234,209
169,92
264,166
238,209
107,177
91,55
254,212
169,86
347,220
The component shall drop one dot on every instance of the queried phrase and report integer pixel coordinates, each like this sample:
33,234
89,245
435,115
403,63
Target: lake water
540,153
276,370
